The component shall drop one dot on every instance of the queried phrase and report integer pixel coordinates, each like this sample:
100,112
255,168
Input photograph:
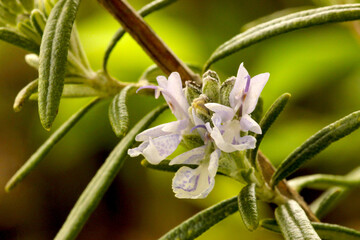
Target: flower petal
134,152
214,162
177,126
163,129
236,92
174,95
192,183
256,86
249,124
194,156
245,142
226,113
220,142
230,140
161,147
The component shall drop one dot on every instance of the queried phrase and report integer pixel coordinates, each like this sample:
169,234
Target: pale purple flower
161,141
223,135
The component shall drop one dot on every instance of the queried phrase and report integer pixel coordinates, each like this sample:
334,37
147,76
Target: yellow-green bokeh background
318,66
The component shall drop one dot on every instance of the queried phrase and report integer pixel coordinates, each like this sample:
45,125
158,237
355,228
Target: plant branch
143,34
268,170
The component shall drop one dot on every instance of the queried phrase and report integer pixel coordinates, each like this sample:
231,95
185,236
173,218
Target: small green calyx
192,91
201,111
192,141
211,88
211,74
225,91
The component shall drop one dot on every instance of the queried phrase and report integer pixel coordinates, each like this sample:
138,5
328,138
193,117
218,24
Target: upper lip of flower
246,90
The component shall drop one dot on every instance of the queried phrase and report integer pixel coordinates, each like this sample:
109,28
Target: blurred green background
318,66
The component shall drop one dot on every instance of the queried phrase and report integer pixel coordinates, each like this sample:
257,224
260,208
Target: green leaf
291,22
27,29
97,187
24,95
248,208
40,154
272,16
323,181
201,222
325,230
270,116
327,201
143,12
293,222
118,113
164,166
38,21
53,58
154,71
19,40
74,91
79,91
316,144
330,198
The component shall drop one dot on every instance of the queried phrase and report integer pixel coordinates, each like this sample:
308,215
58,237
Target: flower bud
192,91
211,88
225,90
212,74
201,111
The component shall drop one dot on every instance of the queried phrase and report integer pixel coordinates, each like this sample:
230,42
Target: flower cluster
210,121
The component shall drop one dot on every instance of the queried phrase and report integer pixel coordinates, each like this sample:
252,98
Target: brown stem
142,33
268,170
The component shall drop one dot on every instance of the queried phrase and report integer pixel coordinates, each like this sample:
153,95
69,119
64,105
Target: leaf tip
9,186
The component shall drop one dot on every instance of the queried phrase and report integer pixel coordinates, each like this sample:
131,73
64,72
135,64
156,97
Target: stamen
247,86
156,88
198,126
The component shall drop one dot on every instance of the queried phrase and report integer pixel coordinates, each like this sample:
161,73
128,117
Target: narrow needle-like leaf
316,144
291,22
325,230
199,223
97,187
40,154
24,95
118,113
330,198
294,223
323,181
248,208
270,116
53,58
14,38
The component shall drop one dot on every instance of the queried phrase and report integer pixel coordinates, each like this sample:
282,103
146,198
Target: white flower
161,141
222,134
